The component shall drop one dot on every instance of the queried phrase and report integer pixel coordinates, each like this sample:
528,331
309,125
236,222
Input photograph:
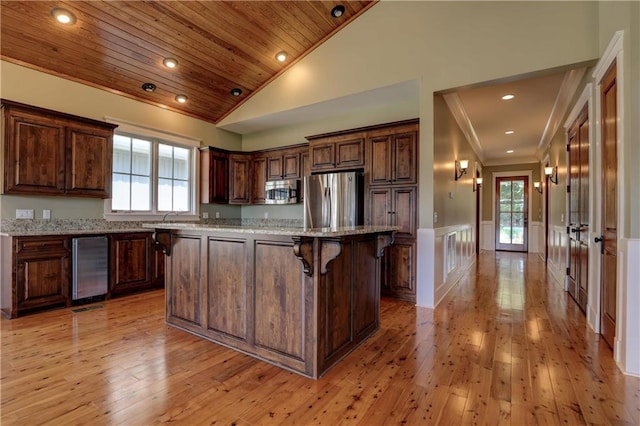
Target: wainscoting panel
557,261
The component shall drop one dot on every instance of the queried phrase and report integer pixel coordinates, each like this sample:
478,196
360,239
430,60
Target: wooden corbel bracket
162,241
303,249
383,241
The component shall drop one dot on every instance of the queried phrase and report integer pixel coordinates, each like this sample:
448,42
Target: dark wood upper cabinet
214,176
239,178
284,163
336,152
51,153
88,162
258,179
393,155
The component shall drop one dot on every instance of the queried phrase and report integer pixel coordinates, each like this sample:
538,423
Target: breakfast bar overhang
299,299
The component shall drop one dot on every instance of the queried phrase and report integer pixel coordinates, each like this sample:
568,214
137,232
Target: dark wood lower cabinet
134,265
302,303
35,273
399,270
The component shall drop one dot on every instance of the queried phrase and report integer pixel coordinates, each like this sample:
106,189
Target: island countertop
298,232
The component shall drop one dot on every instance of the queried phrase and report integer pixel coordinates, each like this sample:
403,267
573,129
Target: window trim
158,136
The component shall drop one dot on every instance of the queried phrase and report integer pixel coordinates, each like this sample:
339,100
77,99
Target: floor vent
87,308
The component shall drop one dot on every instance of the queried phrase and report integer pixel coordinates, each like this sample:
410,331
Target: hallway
506,346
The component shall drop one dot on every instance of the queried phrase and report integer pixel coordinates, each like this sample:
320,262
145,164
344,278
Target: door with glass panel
512,213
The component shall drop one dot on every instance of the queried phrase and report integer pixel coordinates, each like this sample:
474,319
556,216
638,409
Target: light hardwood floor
506,346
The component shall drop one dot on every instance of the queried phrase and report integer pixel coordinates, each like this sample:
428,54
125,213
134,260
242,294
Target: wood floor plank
505,346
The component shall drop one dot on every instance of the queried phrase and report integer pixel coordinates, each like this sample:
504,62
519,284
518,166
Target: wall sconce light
551,173
461,168
537,186
478,184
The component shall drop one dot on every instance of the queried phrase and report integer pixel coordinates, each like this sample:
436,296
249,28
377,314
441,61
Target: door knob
598,239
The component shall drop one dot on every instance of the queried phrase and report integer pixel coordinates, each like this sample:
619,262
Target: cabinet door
401,264
404,212
88,162
380,160
157,268
42,280
380,208
34,158
214,176
322,156
258,181
130,262
275,167
291,166
404,158
350,152
239,175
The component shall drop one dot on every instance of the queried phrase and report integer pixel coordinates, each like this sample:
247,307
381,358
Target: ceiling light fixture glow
236,91
337,11
508,97
170,62
510,151
63,16
182,98
281,56
509,132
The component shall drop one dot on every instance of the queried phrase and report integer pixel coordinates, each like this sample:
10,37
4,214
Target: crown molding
570,83
460,115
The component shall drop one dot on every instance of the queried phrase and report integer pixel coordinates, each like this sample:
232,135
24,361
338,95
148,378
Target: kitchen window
151,177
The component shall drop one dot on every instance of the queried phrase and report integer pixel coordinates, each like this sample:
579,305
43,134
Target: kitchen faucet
164,218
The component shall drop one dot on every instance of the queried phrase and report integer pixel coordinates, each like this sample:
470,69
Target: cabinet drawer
35,245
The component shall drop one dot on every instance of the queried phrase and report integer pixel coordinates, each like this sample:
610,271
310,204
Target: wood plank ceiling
219,45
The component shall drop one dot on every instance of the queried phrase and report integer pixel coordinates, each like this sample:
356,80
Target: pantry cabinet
51,153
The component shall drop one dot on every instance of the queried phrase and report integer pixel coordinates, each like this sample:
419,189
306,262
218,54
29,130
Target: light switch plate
46,214
24,213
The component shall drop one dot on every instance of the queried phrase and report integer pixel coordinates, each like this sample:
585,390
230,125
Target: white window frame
129,129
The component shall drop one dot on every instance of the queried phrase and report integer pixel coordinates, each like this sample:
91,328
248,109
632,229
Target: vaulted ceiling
219,45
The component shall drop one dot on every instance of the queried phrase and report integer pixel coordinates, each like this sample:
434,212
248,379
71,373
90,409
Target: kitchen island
300,299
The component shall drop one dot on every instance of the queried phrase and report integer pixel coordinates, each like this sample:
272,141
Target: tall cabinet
392,199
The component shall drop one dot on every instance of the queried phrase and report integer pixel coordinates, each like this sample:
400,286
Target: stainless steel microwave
281,192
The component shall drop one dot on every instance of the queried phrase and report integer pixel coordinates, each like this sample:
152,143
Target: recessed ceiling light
63,16
181,98
510,151
337,11
148,87
170,62
508,97
509,132
236,91
281,56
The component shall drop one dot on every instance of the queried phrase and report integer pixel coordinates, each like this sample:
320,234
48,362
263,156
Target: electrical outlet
46,214
217,215
205,215
24,213
266,215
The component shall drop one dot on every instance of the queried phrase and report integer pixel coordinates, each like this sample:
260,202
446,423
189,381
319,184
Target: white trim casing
593,279
495,175
626,350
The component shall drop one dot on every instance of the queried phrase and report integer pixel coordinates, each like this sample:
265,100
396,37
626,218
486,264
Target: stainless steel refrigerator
333,200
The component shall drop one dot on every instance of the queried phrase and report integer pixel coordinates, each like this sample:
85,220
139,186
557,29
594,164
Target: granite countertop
290,231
